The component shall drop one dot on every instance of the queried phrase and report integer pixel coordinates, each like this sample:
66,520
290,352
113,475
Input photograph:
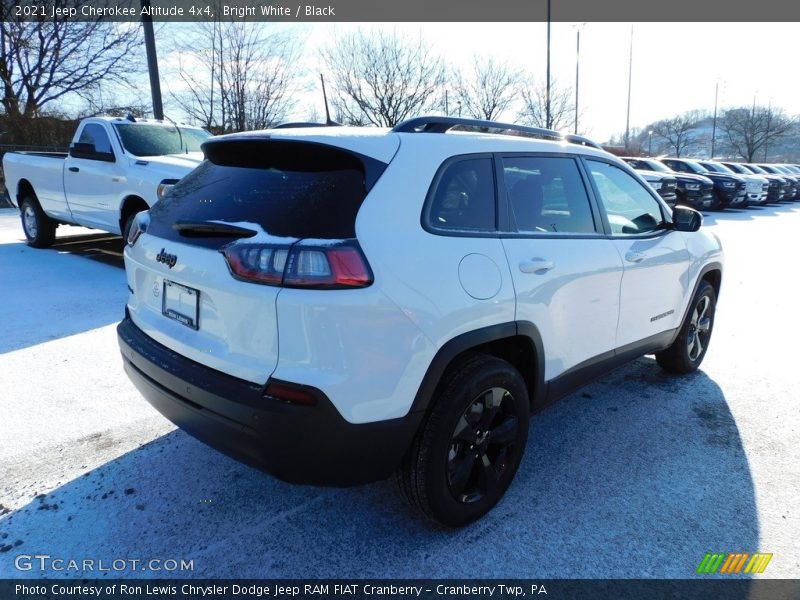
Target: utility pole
769,122
630,79
578,28
548,122
714,127
152,61
650,143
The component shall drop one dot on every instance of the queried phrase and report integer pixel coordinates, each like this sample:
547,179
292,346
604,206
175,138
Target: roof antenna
131,118
328,120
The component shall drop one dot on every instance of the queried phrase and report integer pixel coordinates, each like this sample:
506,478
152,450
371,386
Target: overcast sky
675,65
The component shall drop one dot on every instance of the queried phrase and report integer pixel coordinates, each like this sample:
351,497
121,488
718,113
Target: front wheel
689,348
39,229
468,450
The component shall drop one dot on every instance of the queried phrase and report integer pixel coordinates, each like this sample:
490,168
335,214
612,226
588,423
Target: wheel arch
130,205
713,274
25,188
517,342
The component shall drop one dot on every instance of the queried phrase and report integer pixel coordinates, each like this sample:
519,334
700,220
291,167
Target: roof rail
290,125
444,124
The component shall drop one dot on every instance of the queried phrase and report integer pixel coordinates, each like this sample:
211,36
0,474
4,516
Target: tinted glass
654,165
720,168
463,197
95,134
629,206
290,189
547,195
737,168
142,139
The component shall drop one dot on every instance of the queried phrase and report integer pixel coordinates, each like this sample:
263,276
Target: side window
546,195
463,199
96,135
630,207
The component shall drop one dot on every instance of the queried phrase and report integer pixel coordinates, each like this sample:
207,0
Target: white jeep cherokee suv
334,305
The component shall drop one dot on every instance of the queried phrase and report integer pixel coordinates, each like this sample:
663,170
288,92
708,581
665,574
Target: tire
39,229
687,351
126,227
717,203
469,448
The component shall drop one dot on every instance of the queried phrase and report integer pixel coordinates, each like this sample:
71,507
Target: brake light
330,265
138,227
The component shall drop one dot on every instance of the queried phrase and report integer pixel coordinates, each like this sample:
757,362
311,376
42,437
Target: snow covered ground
637,475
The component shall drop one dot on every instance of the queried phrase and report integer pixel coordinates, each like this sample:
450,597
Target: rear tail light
165,186
138,227
321,265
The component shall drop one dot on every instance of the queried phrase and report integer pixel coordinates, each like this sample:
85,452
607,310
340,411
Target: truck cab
115,168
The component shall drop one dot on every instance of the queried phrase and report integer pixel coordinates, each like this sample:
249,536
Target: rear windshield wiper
211,229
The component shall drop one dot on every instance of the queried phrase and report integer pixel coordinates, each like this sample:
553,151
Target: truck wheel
126,228
40,230
687,351
468,450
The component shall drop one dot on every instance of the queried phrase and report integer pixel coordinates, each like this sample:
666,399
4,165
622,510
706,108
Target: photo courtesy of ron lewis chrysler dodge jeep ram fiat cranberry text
335,305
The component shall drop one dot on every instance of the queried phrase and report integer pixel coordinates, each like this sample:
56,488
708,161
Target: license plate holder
181,303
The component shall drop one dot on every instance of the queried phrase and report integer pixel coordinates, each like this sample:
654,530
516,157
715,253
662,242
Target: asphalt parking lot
637,475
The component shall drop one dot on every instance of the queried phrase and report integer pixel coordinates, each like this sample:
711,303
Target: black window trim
425,220
511,232
504,228
666,214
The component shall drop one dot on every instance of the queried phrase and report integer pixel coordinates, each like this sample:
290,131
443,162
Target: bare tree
42,61
242,79
534,106
382,78
489,90
678,133
749,130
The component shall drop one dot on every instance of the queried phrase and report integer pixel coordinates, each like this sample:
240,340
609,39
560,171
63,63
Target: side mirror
82,150
88,151
686,219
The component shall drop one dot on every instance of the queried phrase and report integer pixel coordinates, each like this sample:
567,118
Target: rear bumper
300,444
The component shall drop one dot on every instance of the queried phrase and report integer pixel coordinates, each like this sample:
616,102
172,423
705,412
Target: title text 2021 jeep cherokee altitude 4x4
334,305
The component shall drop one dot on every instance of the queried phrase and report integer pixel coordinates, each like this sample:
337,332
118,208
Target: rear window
290,189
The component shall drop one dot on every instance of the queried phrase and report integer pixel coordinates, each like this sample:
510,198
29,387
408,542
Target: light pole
769,122
714,127
548,123
578,28
650,143
630,79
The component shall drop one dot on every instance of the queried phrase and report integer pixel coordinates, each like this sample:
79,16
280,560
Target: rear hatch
260,213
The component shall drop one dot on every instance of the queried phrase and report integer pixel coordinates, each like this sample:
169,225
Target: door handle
635,257
536,265
74,169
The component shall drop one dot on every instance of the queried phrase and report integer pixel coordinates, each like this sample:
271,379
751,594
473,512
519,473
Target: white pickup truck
115,168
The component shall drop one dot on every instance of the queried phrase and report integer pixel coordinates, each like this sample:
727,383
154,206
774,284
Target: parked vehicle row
719,184
114,169
695,191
